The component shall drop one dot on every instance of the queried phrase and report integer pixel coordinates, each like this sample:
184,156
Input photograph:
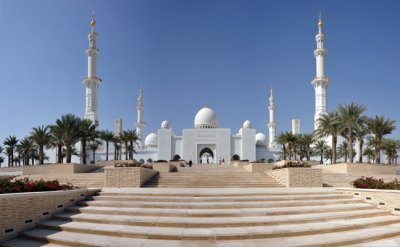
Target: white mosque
206,142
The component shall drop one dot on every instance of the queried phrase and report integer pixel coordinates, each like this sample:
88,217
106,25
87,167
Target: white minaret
140,124
320,82
271,124
92,82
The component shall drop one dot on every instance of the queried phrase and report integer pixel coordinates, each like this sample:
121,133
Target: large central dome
206,118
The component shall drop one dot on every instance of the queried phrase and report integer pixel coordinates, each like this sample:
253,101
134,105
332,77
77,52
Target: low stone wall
58,169
258,167
362,169
21,211
11,169
237,163
127,176
383,199
163,166
297,177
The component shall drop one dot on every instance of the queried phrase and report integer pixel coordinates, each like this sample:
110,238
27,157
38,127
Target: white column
271,124
92,82
140,124
295,126
320,82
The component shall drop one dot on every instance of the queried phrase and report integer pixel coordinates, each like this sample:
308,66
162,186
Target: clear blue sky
226,53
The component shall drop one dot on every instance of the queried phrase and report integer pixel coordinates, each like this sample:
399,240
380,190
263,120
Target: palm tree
132,137
320,147
1,157
329,125
281,139
41,136
125,139
349,116
94,144
390,147
306,140
57,140
361,132
117,147
379,126
11,142
106,136
87,130
25,147
370,153
70,125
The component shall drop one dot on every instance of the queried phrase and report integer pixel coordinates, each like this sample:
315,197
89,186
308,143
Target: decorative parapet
362,169
21,211
258,167
163,166
58,169
297,177
383,199
127,176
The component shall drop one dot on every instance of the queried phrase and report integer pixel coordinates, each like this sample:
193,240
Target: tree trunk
350,144
68,153
334,141
378,152
126,150
322,157
12,157
106,150
284,151
59,158
41,154
308,153
94,156
360,145
83,151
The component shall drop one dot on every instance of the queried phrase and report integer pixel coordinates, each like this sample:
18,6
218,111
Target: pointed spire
270,92
320,22
206,105
93,22
140,90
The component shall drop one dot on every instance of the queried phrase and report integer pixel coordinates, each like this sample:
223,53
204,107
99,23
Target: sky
226,53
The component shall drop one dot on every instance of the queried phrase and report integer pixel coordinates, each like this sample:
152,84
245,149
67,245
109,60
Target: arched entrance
206,156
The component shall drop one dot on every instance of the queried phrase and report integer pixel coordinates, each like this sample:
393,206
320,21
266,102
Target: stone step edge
218,199
240,223
374,236
217,205
246,235
217,194
213,214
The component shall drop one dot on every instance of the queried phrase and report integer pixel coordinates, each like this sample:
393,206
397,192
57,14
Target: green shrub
373,183
8,185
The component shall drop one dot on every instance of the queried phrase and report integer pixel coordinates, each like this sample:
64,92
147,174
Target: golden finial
93,22
320,21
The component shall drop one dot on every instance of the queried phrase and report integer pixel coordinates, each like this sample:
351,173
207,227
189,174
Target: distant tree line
63,136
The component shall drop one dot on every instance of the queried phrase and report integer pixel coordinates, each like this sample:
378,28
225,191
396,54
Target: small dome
151,140
247,124
240,131
165,125
261,139
205,118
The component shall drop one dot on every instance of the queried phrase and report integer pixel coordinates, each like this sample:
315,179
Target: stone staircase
215,217
212,176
